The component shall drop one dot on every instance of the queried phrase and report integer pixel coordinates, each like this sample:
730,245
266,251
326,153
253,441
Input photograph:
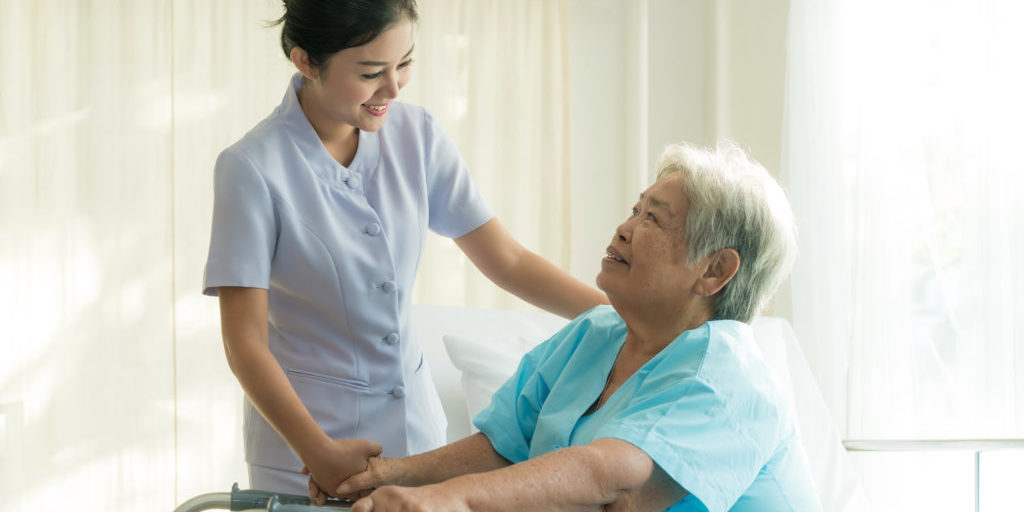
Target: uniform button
353,181
388,286
398,392
392,338
373,229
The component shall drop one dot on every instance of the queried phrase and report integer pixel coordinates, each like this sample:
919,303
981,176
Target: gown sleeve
510,419
711,446
244,231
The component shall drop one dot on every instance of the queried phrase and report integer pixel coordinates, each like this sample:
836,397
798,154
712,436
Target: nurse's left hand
316,495
428,498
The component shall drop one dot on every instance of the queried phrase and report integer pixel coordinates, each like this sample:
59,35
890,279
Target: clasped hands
335,463
352,469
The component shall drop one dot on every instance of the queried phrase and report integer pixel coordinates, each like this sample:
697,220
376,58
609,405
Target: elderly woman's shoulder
601,312
601,317
733,361
600,324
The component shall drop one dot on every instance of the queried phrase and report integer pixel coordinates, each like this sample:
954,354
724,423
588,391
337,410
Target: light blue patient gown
705,409
337,249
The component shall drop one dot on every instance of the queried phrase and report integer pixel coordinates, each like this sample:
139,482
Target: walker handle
252,498
277,505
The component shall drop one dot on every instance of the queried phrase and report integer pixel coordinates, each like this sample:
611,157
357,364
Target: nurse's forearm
269,389
524,273
539,282
244,328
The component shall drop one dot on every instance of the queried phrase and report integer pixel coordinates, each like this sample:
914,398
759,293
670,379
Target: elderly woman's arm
607,473
472,454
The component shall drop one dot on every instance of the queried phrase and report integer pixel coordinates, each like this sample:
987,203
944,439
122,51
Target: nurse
319,219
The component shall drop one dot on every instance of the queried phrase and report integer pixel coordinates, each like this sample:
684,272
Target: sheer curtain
903,120
493,72
86,359
114,393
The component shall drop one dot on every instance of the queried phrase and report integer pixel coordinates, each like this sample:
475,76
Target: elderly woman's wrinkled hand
380,471
429,498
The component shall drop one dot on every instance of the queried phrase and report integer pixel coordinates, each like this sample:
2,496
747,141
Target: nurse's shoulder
267,149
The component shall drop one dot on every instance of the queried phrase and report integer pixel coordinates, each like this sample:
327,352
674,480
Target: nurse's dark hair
325,27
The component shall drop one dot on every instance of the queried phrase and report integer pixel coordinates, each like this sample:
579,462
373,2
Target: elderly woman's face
646,261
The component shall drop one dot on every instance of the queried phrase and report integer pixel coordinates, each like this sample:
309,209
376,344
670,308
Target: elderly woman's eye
651,216
636,211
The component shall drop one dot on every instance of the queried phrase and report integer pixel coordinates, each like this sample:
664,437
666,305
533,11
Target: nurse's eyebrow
378,63
658,203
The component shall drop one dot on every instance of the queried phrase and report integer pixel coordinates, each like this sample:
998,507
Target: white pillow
485,364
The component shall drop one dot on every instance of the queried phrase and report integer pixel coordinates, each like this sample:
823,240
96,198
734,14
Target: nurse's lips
376,110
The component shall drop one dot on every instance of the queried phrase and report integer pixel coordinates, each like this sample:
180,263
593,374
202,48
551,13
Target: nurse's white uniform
337,249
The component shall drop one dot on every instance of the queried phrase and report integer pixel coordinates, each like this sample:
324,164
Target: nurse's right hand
338,460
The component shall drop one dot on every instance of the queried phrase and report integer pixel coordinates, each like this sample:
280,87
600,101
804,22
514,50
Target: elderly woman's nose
624,232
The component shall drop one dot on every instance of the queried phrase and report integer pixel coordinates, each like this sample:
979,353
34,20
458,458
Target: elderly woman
661,401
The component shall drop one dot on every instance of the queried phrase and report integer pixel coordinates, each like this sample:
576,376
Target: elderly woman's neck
650,330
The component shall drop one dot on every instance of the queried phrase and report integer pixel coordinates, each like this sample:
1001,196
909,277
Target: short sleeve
510,419
456,205
244,231
524,402
711,447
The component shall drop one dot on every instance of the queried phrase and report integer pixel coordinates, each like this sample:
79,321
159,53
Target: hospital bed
470,353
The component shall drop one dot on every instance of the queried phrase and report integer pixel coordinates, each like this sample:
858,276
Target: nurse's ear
300,58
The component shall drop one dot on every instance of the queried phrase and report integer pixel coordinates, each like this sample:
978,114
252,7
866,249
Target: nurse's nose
391,86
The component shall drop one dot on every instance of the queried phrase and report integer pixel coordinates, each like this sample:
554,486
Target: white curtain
493,72
903,123
114,394
86,304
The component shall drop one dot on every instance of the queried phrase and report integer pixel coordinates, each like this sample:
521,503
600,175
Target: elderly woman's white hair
734,203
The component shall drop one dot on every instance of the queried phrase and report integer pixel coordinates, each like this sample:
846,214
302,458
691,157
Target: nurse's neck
339,138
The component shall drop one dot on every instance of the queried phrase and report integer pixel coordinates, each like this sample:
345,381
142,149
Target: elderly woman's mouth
613,255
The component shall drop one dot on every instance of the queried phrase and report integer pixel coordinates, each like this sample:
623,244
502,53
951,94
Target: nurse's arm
607,474
501,258
244,329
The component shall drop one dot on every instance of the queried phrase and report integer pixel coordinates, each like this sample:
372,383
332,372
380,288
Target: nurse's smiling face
356,86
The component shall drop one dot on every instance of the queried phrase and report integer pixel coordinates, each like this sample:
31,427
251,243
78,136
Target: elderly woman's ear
721,265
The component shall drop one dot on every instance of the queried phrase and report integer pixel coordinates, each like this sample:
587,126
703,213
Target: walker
253,499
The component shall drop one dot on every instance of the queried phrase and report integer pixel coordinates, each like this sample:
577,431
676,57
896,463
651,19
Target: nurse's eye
373,76
405,64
